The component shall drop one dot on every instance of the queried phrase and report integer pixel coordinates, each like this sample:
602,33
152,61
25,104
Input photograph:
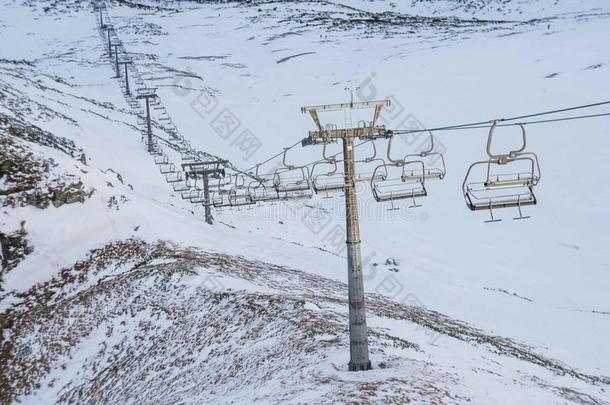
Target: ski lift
239,183
234,196
408,185
290,178
180,186
503,188
220,200
262,193
261,189
221,185
373,159
167,167
431,171
239,197
174,177
192,191
330,181
161,159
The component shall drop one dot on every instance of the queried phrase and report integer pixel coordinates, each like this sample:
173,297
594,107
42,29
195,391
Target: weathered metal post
109,42
101,17
206,200
203,170
147,98
116,60
148,126
125,63
359,347
358,339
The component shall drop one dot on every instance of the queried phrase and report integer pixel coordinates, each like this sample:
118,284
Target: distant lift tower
359,349
147,94
125,63
203,171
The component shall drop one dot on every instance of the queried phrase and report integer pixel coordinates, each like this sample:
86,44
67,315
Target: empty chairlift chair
238,195
261,188
292,181
326,176
434,162
219,191
398,180
262,191
370,161
235,195
503,180
222,185
174,177
220,200
193,191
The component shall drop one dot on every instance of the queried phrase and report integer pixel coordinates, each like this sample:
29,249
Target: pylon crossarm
342,106
363,133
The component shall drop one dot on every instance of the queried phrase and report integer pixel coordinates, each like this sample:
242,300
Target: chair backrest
504,180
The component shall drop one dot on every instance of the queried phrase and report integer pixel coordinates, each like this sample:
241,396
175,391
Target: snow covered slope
94,308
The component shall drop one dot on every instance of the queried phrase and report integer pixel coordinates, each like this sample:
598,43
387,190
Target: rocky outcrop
30,179
13,248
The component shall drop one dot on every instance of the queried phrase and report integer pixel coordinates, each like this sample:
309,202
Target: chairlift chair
196,196
263,193
406,186
509,179
180,186
432,171
291,178
231,198
191,189
410,184
161,159
261,189
174,177
167,168
330,180
239,197
296,195
187,157
221,185
220,200
240,182
369,160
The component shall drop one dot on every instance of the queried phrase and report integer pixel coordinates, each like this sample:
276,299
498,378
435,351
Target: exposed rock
20,129
14,247
29,179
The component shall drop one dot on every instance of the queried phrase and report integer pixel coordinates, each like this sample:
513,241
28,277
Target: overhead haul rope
480,124
485,124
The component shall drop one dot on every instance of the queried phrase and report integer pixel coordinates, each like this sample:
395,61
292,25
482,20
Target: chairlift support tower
204,170
359,350
100,6
147,96
125,63
109,28
116,60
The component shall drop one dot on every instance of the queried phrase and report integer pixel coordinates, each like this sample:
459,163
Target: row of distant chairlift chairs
503,180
